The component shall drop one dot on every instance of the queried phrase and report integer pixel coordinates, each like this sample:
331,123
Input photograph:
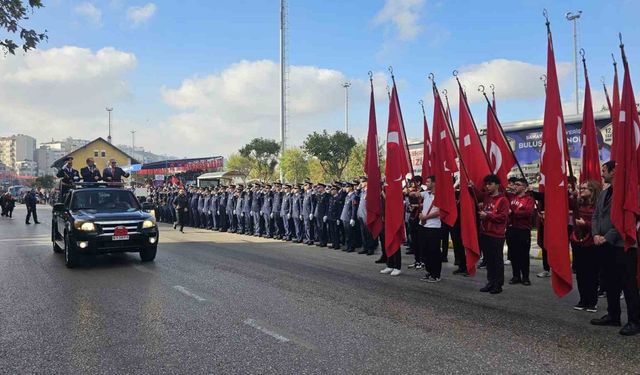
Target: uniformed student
348,216
278,228
246,210
335,209
285,212
308,206
296,213
68,176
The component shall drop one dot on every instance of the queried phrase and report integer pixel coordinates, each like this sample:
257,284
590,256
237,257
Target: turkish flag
426,150
590,165
444,164
624,201
468,225
553,169
396,168
471,151
372,170
614,110
501,158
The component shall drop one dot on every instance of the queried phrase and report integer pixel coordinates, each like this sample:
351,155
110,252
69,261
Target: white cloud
90,12
62,92
402,16
513,79
140,15
219,113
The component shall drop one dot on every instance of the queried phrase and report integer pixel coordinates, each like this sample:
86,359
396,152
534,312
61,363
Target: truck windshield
107,200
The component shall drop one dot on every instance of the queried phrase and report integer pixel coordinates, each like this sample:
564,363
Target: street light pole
133,144
346,86
574,17
109,109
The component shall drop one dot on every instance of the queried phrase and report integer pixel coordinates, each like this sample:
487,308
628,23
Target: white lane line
25,239
275,335
143,269
184,291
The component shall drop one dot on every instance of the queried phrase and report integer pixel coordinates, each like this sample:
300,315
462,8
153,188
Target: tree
12,13
237,162
355,166
45,181
333,151
264,155
294,164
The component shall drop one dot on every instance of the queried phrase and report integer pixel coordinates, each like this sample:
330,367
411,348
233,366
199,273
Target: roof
60,162
226,174
176,162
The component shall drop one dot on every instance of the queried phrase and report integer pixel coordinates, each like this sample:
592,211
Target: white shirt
426,204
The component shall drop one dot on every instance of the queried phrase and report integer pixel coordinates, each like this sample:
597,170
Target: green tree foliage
237,162
264,155
294,164
355,167
332,151
45,181
12,15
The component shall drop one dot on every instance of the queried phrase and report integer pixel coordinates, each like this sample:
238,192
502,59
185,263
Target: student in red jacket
494,212
585,253
518,234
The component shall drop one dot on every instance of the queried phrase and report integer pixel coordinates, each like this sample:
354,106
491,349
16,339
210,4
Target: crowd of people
334,215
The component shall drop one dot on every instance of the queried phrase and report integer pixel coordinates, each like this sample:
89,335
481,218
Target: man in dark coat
113,173
181,203
90,173
31,201
321,213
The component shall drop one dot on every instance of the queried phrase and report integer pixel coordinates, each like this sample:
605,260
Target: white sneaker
544,274
395,272
386,270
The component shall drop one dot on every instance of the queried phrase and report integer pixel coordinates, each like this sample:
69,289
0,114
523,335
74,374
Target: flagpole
473,122
606,94
404,132
504,137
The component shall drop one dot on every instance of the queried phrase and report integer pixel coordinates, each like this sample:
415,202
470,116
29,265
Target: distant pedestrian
181,204
31,201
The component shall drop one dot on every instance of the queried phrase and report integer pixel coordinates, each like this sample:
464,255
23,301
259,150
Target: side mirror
58,207
146,206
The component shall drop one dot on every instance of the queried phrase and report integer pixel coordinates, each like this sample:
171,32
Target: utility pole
346,86
109,109
283,80
574,17
133,144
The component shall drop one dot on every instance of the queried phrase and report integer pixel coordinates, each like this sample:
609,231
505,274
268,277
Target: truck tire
71,256
148,254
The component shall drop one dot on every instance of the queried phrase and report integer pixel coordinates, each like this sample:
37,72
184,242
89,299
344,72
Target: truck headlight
148,224
85,226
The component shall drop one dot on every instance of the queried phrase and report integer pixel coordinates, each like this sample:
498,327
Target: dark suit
90,175
114,174
68,176
322,215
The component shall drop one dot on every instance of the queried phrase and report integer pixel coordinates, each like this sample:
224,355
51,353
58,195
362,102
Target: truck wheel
71,256
148,254
56,248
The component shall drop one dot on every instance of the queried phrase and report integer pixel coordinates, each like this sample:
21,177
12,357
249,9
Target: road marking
275,335
184,291
143,269
40,238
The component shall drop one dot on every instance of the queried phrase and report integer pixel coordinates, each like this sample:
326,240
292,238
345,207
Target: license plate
120,234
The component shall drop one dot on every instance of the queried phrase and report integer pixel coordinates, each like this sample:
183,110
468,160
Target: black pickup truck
98,219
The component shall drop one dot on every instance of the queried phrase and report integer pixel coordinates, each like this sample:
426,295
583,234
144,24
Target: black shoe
459,271
486,288
310,243
380,261
409,252
369,252
26,222
37,222
323,245
351,250
606,321
630,329
363,252
497,290
482,265
580,306
526,282
175,225
515,280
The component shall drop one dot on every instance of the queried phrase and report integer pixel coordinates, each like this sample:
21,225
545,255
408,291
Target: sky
201,78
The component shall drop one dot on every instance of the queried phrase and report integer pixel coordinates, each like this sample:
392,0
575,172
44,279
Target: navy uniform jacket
349,208
239,202
277,202
267,203
90,175
296,205
246,204
285,207
335,207
322,205
230,203
308,203
256,201
68,176
201,199
222,202
207,204
215,203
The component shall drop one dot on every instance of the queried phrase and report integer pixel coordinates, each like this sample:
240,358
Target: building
27,168
45,156
16,148
101,151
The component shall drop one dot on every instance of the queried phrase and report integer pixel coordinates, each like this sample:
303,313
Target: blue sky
200,77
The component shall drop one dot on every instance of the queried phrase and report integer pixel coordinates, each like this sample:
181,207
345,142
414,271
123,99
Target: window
95,153
103,154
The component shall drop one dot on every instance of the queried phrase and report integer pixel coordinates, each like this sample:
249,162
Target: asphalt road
219,303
